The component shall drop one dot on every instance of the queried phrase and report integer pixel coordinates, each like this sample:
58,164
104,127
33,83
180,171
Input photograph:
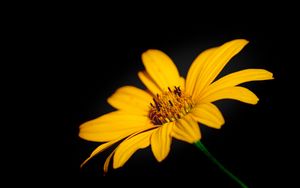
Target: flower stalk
200,146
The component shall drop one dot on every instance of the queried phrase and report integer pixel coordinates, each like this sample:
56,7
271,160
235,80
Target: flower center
169,106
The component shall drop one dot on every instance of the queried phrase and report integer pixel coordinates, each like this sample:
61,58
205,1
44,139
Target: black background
72,59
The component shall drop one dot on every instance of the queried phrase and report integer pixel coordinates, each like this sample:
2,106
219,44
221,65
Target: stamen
169,106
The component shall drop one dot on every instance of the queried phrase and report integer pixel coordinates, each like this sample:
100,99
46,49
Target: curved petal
161,68
186,129
208,114
196,69
149,83
128,147
214,64
107,161
161,141
113,125
99,149
106,145
237,78
237,93
131,99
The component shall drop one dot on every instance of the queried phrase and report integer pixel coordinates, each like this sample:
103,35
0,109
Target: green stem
200,146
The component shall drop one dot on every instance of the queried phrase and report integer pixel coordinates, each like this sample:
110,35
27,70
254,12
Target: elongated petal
237,93
196,70
237,78
106,145
100,149
161,68
186,129
128,147
161,141
215,63
113,125
107,161
208,114
131,99
149,83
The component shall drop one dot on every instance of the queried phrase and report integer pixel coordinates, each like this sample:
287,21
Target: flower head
172,106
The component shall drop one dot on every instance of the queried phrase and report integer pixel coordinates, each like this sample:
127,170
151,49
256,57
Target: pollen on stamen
169,106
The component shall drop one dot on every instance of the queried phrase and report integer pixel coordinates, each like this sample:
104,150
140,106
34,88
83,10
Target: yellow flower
172,106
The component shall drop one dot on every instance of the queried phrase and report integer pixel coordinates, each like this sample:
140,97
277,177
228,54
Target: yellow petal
128,147
215,63
161,68
131,99
161,141
107,161
237,93
99,149
196,70
186,129
106,145
182,83
149,83
237,78
208,114
113,125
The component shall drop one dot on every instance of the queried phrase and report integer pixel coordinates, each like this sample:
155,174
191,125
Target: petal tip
149,53
219,124
222,123
83,135
244,41
110,100
159,158
116,163
255,101
269,75
238,42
